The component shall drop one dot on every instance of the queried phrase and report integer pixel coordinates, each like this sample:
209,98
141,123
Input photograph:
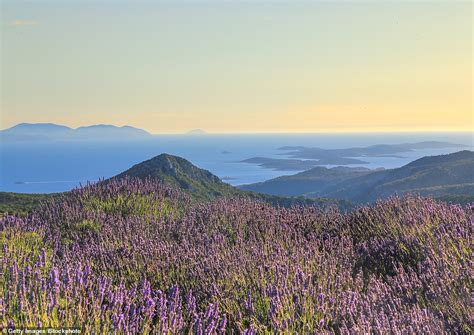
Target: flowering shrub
136,257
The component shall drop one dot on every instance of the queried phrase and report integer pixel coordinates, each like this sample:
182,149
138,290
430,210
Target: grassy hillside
134,256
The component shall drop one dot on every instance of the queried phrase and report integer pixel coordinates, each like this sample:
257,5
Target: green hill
441,176
180,173
201,184
318,178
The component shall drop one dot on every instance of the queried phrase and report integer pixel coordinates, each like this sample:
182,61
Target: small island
196,132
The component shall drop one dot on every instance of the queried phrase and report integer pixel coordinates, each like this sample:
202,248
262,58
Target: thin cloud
19,23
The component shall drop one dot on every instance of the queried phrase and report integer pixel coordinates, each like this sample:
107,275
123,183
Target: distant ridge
30,126
460,156
450,175
110,131
51,131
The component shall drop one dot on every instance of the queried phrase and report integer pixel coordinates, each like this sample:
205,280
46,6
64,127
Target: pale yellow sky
239,67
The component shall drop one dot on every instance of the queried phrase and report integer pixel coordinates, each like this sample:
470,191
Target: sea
48,166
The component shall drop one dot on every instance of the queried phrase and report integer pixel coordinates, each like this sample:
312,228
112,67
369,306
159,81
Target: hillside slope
201,184
318,178
438,176
180,173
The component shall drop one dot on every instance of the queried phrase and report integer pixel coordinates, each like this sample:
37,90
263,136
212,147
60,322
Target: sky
229,66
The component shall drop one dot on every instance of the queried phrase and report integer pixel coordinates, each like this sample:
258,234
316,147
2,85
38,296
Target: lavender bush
137,257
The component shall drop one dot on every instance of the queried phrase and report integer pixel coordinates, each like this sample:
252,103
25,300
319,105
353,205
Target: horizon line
271,132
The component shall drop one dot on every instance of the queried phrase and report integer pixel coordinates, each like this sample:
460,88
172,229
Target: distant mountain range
441,176
51,131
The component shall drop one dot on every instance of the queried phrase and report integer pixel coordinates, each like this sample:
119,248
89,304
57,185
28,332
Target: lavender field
138,257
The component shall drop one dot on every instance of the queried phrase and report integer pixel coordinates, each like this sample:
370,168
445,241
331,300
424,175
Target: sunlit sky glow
232,66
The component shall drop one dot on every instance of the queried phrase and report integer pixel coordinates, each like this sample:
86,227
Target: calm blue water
45,167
